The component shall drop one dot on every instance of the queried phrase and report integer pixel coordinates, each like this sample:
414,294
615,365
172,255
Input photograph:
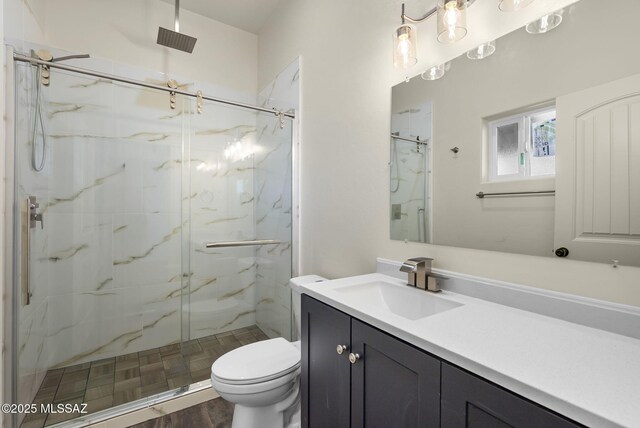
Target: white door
598,173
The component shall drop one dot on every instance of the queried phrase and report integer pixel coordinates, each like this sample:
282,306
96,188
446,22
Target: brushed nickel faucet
419,274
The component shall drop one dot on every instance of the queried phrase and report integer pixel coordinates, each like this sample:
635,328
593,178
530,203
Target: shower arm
64,58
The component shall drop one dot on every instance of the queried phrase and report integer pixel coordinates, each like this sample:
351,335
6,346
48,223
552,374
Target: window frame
525,144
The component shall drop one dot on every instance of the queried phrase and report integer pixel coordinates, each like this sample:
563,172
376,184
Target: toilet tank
295,284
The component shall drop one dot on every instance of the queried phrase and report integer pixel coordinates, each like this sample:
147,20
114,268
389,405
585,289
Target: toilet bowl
262,379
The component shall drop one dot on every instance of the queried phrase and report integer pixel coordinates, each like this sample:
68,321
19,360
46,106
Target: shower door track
34,61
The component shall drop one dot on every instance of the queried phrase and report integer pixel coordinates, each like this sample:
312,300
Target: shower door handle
29,219
242,243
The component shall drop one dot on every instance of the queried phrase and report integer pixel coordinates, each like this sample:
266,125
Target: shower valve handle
34,216
39,217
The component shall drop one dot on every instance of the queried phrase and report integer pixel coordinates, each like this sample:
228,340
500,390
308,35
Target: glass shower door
107,276
126,301
240,198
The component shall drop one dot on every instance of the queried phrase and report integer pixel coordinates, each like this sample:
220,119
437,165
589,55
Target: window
523,145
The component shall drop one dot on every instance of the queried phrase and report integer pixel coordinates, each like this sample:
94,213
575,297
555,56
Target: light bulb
451,18
404,40
404,47
544,24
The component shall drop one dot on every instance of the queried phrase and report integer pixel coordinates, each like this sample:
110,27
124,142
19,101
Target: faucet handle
433,280
409,266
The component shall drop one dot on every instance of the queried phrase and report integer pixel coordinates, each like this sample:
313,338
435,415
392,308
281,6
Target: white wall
346,78
126,31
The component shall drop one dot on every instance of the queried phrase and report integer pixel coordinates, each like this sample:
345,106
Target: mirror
566,100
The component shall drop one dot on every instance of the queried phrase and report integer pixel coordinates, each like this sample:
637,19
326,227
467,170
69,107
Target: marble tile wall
131,191
408,173
273,178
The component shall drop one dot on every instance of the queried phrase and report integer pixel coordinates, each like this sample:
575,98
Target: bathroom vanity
397,384
378,353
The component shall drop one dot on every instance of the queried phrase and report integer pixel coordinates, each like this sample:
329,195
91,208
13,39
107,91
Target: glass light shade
546,23
513,5
452,20
482,51
434,73
404,46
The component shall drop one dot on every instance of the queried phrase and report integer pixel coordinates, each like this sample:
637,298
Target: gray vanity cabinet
393,384
325,382
471,402
390,384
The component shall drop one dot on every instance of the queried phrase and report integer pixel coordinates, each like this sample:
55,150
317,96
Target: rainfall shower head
175,39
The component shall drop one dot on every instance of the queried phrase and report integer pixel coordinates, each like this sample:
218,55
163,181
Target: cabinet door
325,380
469,401
393,384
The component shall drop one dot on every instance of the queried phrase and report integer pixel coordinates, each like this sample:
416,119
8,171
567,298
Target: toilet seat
262,389
257,363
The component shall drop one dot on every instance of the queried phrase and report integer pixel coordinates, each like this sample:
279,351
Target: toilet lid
257,362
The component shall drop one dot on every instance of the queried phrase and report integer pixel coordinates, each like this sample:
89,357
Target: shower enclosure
409,167
117,299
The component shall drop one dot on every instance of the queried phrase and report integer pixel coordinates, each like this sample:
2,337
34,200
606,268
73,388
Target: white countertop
588,375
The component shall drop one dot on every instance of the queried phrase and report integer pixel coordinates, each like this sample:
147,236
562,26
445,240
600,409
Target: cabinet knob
353,358
341,348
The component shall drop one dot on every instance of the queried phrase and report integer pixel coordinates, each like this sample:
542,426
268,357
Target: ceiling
248,15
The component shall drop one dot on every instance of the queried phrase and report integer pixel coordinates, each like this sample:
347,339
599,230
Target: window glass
522,145
543,146
507,149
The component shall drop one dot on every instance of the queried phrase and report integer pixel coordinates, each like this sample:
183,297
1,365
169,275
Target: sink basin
406,302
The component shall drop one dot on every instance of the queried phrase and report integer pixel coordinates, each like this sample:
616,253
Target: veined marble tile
90,176
162,179
34,361
146,248
71,311
209,317
96,339
273,206
161,316
79,252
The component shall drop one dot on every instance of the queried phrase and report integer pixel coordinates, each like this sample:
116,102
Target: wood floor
114,381
216,413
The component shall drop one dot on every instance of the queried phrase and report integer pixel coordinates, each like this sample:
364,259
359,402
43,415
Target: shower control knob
341,348
353,358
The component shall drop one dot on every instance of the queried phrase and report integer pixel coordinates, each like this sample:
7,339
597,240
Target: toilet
262,379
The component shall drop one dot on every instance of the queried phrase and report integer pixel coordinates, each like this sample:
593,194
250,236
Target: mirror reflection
529,144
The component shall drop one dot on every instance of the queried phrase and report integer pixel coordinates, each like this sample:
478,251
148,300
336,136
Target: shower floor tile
112,381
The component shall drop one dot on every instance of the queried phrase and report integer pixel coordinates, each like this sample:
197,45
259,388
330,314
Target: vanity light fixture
452,26
482,51
546,23
513,5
